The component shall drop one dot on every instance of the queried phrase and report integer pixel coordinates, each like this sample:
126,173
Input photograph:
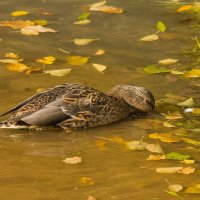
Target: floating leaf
19,13
87,181
48,60
98,4
41,22
99,52
184,8
176,72
188,102
187,170
187,162
175,188
173,116
91,198
156,157
82,22
168,61
84,16
58,72
11,61
195,189
136,145
99,67
107,9
169,125
85,41
177,156
17,24
190,141
155,148
194,73
72,160
150,38
161,26
152,69
36,30
168,170
77,60
11,55
173,194
165,137
17,67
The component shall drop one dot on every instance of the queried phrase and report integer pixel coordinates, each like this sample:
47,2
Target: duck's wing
72,106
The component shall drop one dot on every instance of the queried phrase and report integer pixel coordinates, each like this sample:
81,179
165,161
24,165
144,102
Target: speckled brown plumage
76,106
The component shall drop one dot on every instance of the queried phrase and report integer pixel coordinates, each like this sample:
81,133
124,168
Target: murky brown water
31,165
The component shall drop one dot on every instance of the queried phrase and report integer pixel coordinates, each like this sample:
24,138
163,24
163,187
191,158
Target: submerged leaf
152,69
85,41
188,102
87,181
99,67
48,60
177,156
165,137
73,160
161,26
77,60
19,13
84,16
41,22
168,61
58,72
194,73
11,55
195,189
175,188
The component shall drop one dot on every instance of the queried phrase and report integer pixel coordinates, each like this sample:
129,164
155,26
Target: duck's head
138,98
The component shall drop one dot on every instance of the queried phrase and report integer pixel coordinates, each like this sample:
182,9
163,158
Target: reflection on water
31,165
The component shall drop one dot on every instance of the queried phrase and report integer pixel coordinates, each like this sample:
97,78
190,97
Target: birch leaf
72,160
82,22
156,157
150,38
98,4
36,30
17,24
48,60
82,42
11,55
19,13
175,188
195,189
168,61
11,61
108,9
155,148
161,26
184,8
77,60
194,73
99,67
136,145
190,141
58,72
165,137
17,67
188,102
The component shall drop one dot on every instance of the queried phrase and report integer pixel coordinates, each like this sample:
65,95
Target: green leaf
152,69
161,26
177,156
84,16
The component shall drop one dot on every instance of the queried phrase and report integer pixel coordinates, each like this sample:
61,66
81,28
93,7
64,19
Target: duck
77,106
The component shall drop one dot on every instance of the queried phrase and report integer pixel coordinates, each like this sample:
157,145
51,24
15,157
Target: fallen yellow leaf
77,60
99,67
48,60
86,181
18,67
36,30
11,55
17,24
156,157
19,13
194,73
184,8
165,137
108,9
